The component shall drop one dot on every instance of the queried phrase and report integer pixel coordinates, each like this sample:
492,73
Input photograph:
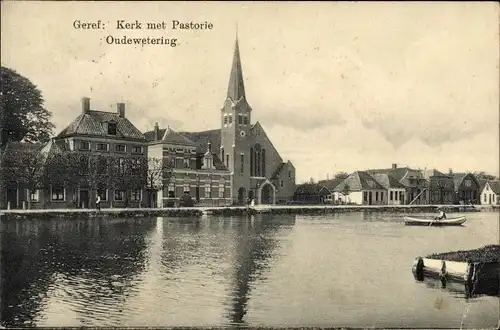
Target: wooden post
8,205
443,273
418,269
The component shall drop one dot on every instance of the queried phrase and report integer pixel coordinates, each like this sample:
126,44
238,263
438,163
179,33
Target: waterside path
232,210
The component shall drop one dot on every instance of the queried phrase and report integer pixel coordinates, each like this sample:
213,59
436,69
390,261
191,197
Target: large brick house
198,171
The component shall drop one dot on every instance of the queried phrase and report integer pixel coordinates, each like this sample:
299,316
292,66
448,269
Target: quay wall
222,211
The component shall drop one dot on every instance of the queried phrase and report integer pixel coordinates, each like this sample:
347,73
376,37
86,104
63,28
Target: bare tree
24,165
159,172
346,191
341,175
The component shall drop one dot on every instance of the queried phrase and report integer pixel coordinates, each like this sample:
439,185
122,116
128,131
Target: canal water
351,269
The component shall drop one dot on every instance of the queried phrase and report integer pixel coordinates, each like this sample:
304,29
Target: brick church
256,169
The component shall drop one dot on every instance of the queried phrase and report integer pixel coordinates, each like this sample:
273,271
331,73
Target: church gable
259,136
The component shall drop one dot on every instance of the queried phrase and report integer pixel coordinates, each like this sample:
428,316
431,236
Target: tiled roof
458,178
17,148
397,173
168,135
359,181
495,186
219,165
387,181
482,184
13,147
331,184
202,138
51,148
308,189
93,123
433,172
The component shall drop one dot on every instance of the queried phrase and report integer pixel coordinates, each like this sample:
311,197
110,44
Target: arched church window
257,160
252,167
263,162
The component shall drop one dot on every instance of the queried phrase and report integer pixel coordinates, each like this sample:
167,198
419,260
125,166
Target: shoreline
231,210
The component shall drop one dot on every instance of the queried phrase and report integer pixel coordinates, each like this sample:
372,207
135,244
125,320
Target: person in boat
441,214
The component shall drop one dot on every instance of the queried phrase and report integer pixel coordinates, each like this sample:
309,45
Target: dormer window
112,128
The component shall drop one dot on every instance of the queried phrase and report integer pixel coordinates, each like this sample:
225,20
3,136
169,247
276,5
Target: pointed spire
236,88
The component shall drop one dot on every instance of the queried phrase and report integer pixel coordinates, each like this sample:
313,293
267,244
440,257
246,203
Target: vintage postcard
249,164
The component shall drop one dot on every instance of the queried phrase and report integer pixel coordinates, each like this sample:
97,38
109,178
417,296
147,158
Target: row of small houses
399,186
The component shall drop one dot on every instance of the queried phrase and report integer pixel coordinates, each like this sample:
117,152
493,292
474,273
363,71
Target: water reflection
340,270
254,249
79,262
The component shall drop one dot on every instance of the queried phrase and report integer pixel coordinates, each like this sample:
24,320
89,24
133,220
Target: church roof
236,87
201,139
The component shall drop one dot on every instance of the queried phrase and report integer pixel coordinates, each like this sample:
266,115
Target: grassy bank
488,253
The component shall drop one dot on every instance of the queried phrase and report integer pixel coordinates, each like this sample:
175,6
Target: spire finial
236,31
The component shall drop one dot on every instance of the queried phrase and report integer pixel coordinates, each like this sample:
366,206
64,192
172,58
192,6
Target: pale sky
337,86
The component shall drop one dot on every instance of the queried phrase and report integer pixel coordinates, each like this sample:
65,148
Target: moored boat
415,221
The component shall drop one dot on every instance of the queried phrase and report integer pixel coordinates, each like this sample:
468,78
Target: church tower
235,128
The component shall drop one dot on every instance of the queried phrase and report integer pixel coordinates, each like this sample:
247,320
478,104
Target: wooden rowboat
414,221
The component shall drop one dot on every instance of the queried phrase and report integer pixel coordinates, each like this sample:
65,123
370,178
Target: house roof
168,135
93,123
387,181
495,186
51,148
331,184
20,150
458,178
14,147
433,172
218,164
308,188
482,184
358,181
398,173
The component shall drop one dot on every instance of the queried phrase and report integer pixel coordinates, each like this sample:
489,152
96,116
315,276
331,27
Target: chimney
120,107
157,132
394,166
209,147
450,171
85,104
